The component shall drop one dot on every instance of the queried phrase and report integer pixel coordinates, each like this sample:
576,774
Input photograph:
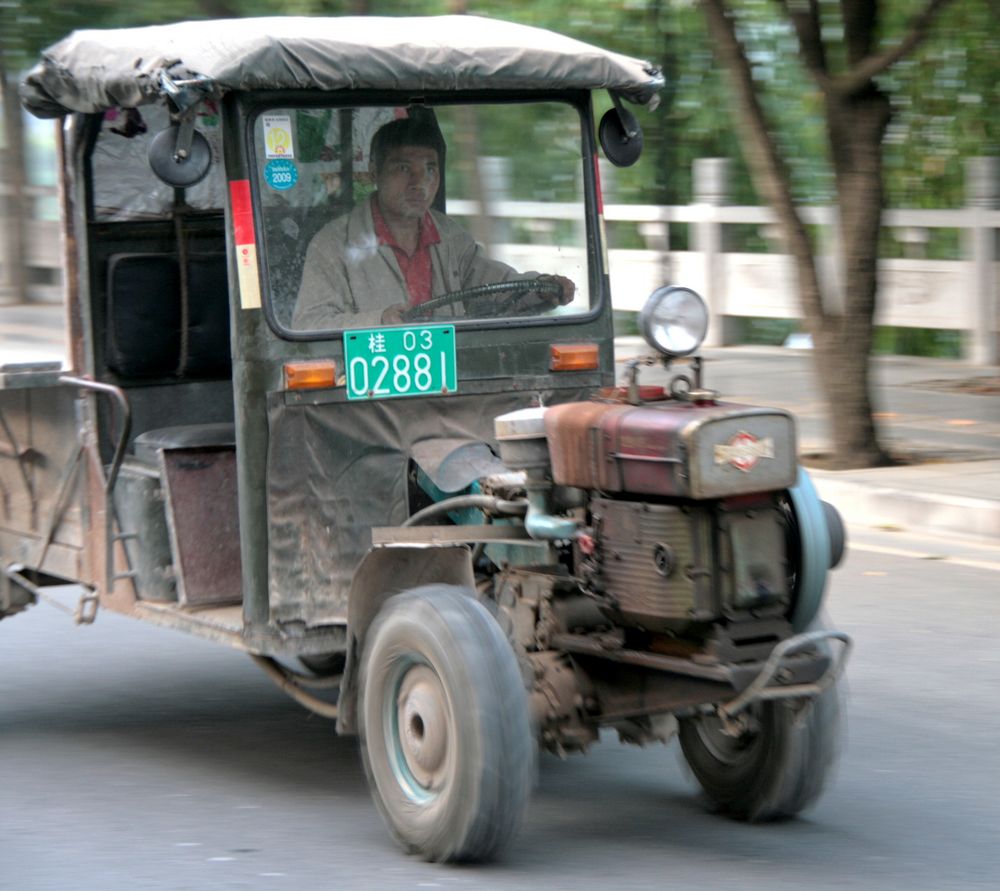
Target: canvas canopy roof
93,70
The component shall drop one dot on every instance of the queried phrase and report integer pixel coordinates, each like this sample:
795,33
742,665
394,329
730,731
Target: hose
485,503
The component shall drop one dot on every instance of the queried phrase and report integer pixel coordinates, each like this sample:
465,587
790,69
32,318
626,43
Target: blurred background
945,119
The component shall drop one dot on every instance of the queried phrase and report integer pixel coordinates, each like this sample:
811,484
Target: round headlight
674,321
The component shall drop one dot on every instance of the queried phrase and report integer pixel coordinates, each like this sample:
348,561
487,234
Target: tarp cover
93,70
337,470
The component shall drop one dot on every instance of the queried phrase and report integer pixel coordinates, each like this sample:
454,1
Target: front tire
445,730
776,769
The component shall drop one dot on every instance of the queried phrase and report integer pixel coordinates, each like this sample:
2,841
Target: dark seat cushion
208,352
145,318
144,315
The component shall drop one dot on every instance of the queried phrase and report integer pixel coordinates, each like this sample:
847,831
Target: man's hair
419,131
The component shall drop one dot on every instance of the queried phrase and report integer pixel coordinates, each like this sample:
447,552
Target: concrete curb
872,505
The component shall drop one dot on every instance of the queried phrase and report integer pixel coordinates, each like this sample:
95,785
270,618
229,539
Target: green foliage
626,323
947,108
763,331
888,340
931,342
946,96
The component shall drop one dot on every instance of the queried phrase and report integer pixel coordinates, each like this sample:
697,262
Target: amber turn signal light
310,374
573,357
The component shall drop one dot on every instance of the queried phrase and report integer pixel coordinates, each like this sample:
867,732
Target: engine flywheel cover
814,551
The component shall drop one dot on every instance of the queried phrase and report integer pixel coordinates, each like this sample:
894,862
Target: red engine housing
672,448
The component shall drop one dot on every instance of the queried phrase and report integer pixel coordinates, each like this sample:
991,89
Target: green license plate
382,363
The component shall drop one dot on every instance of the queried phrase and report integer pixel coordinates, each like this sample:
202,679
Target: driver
393,252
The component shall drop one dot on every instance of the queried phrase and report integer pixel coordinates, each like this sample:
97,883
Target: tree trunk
843,336
856,117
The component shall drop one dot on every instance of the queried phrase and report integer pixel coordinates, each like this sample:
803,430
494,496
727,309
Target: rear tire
445,730
775,770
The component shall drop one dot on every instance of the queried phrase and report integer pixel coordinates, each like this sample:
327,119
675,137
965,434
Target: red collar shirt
416,268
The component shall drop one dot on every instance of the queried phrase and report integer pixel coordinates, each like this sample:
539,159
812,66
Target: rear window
124,185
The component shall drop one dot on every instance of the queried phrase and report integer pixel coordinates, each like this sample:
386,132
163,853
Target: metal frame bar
758,688
87,610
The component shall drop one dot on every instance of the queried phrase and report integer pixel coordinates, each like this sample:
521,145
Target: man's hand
568,290
393,315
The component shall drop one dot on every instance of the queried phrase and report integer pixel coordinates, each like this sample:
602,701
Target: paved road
137,758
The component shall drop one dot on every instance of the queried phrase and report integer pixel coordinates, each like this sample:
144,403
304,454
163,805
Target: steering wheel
515,288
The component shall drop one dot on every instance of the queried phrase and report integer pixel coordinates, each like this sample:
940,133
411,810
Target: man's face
407,181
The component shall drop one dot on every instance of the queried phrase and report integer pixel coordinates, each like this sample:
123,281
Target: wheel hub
422,716
727,744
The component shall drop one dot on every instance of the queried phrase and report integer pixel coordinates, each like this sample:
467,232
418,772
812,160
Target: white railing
959,294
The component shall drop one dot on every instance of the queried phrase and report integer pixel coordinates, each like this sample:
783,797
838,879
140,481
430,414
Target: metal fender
382,573
814,550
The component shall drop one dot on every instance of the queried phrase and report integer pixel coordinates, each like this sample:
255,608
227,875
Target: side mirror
180,155
620,135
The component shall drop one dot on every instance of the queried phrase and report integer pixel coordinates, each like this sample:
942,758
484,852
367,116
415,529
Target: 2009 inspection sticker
382,363
278,136
281,174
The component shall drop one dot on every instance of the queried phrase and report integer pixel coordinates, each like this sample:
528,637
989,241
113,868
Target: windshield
387,215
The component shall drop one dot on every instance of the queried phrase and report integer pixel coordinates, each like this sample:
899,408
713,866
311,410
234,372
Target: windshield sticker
278,136
281,174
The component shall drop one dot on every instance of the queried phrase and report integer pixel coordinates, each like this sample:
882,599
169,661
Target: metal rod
787,648
125,420
286,680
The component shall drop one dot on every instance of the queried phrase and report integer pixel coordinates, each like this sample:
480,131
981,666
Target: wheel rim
417,722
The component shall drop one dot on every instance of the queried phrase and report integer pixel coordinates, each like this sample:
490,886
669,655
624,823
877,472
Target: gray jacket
349,278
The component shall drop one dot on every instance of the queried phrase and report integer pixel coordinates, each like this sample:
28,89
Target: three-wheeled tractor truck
462,522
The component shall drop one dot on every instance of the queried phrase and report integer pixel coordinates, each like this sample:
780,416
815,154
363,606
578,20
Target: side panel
42,472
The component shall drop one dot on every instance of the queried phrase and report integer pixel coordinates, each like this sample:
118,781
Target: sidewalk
945,412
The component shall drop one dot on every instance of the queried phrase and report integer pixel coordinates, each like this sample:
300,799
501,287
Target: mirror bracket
620,134
181,155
